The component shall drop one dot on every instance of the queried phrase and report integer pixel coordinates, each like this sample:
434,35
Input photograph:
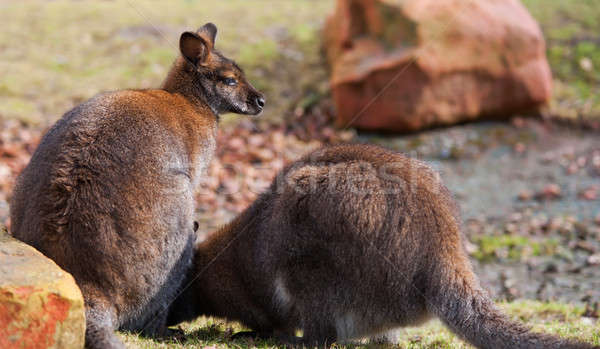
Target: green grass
54,55
560,319
511,247
571,29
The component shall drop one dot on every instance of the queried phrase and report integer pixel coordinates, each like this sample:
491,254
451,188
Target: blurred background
502,97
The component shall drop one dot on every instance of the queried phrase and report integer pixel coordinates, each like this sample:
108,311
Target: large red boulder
408,65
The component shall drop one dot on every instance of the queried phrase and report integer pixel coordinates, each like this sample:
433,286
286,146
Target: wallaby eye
230,81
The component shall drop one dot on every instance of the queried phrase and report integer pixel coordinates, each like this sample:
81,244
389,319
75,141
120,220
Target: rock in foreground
408,65
40,304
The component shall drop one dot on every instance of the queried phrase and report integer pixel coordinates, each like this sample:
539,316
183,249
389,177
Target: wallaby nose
260,102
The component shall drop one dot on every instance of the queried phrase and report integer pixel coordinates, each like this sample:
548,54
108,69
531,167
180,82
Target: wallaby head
204,73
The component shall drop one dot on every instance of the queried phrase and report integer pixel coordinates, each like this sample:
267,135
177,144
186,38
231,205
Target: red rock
586,246
236,143
518,122
596,160
256,140
572,169
262,154
549,192
590,193
40,304
594,259
525,195
408,65
520,147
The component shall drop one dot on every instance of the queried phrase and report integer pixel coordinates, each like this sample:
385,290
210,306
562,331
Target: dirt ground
529,192
534,181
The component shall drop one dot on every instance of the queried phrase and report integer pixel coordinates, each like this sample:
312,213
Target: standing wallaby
108,194
349,242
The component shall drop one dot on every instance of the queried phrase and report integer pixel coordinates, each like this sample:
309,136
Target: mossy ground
560,319
571,29
513,247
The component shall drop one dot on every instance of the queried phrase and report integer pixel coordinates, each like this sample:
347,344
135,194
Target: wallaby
108,194
349,242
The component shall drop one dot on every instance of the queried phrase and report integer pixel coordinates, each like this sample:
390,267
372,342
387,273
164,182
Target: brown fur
108,194
349,242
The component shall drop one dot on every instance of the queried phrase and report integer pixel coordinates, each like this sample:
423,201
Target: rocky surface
528,192
40,304
404,66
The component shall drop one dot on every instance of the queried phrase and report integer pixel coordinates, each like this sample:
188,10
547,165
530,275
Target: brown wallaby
349,242
108,194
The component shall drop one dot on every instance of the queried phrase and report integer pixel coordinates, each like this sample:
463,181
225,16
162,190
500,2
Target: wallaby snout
256,101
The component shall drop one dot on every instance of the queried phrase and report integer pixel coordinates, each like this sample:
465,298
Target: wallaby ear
193,47
209,33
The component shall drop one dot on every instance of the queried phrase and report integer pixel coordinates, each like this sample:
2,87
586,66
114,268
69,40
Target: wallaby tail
461,303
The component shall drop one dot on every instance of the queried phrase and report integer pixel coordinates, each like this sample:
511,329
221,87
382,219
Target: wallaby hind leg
156,327
318,334
100,329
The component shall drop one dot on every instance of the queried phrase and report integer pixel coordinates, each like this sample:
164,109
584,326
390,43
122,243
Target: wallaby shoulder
170,110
